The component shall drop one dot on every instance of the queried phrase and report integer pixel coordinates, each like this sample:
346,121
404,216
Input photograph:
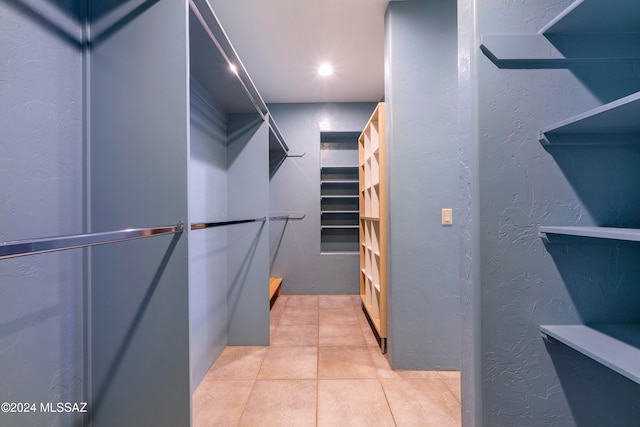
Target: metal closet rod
18,248
203,225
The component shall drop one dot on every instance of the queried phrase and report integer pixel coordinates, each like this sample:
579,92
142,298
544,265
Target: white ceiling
282,42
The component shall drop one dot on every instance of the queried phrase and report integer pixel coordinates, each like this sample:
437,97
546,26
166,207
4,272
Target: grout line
388,404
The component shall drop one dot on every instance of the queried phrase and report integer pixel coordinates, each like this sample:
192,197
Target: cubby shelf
593,30
616,346
615,122
612,233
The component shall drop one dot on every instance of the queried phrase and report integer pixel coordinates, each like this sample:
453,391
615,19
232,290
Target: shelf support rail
203,225
17,248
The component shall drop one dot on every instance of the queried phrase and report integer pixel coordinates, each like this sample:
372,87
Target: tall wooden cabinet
373,222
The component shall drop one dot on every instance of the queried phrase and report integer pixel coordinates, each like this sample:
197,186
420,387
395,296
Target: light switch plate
447,216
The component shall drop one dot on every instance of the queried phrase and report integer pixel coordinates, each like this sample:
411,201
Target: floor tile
299,316
219,403
422,403
324,368
279,305
295,335
369,337
418,374
381,363
346,362
454,386
300,301
353,403
335,301
357,301
338,316
281,403
346,335
290,363
237,362
274,317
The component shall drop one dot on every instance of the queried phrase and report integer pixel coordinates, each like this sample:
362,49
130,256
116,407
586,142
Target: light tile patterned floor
323,368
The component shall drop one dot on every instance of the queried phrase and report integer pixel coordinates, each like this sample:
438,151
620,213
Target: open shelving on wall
339,202
373,222
588,31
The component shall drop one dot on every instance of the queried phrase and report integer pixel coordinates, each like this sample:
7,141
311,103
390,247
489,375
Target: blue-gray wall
248,248
207,248
139,312
423,158
41,194
295,187
525,283
470,358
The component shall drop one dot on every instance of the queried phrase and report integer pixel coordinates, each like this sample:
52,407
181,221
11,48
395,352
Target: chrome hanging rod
203,225
18,248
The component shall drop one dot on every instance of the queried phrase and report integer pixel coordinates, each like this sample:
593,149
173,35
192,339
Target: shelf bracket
545,238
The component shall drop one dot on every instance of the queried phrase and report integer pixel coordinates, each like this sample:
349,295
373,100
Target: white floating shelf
615,346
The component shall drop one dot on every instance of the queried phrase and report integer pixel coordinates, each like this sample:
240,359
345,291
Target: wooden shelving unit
373,223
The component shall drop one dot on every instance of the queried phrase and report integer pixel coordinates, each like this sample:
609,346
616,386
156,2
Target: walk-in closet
322,213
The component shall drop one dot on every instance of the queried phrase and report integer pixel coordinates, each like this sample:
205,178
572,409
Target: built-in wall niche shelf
339,200
613,123
587,30
615,346
612,233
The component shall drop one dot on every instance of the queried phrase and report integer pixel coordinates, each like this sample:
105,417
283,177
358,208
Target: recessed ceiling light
325,70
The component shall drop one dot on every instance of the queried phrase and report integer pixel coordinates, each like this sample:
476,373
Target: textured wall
41,194
525,283
424,177
470,360
207,248
295,187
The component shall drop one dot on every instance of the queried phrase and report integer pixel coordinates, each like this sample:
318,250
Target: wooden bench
274,289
